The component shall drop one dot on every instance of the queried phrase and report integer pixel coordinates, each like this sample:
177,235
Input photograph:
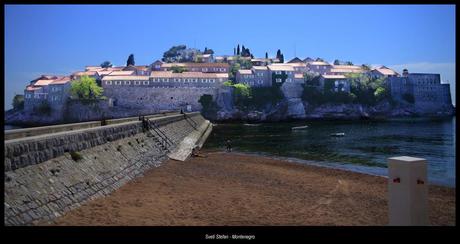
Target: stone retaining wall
44,180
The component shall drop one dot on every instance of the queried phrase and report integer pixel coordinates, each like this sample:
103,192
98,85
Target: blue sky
60,39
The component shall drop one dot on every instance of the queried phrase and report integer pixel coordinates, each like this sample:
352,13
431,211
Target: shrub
18,102
178,69
75,156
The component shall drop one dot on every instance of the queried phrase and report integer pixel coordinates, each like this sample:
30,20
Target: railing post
407,191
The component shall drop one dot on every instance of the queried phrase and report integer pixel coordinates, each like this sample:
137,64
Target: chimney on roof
405,72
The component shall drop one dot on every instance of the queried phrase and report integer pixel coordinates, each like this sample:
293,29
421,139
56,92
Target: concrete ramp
196,138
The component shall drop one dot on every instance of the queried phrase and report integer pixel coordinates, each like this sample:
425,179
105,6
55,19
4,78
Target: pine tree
266,55
234,51
278,54
238,50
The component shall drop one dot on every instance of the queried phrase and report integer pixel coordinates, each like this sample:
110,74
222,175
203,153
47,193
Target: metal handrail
162,135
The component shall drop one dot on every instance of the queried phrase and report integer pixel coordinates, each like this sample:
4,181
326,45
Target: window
164,80
212,80
109,82
127,82
137,82
278,72
288,79
278,80
118,82
146,82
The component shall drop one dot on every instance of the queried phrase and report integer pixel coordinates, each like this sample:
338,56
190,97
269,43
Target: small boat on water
300,127
251,124
338,134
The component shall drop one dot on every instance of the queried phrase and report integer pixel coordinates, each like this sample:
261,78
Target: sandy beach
228,189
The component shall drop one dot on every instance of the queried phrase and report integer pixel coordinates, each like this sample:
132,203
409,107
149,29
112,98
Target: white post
407,191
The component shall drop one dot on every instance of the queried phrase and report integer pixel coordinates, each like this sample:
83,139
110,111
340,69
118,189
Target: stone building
383,71
162,90
319,67
340,83
47,90
426,90
345,69
192,67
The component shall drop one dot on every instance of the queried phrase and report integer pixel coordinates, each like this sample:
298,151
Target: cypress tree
130,60
266,55
238,50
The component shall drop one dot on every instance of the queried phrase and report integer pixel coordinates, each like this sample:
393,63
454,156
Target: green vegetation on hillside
363,90
247,98
210,107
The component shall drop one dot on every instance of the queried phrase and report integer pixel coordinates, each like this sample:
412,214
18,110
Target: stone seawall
48,175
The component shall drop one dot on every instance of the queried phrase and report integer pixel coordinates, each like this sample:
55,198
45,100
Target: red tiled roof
43,82
61,81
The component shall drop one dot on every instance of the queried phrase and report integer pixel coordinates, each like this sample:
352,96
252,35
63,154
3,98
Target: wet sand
235,189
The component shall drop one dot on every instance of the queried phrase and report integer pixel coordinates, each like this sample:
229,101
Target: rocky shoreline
293,109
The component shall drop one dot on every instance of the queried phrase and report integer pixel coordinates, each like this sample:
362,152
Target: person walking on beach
229,145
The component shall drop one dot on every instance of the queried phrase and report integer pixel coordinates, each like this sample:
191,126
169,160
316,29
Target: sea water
366,146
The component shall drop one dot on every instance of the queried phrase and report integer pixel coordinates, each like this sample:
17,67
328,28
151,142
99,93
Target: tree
336,62
366,67
210,107
278,54
208,51
266,55
234,51
86,88
282,58
18,102
173,53
130,60
238,50
106,64
348,63
178,69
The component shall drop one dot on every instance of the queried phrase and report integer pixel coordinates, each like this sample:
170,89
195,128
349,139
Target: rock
295,109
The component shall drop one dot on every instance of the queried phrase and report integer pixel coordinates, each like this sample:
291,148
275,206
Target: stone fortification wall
49,175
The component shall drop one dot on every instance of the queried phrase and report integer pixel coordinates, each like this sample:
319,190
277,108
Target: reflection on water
366,143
